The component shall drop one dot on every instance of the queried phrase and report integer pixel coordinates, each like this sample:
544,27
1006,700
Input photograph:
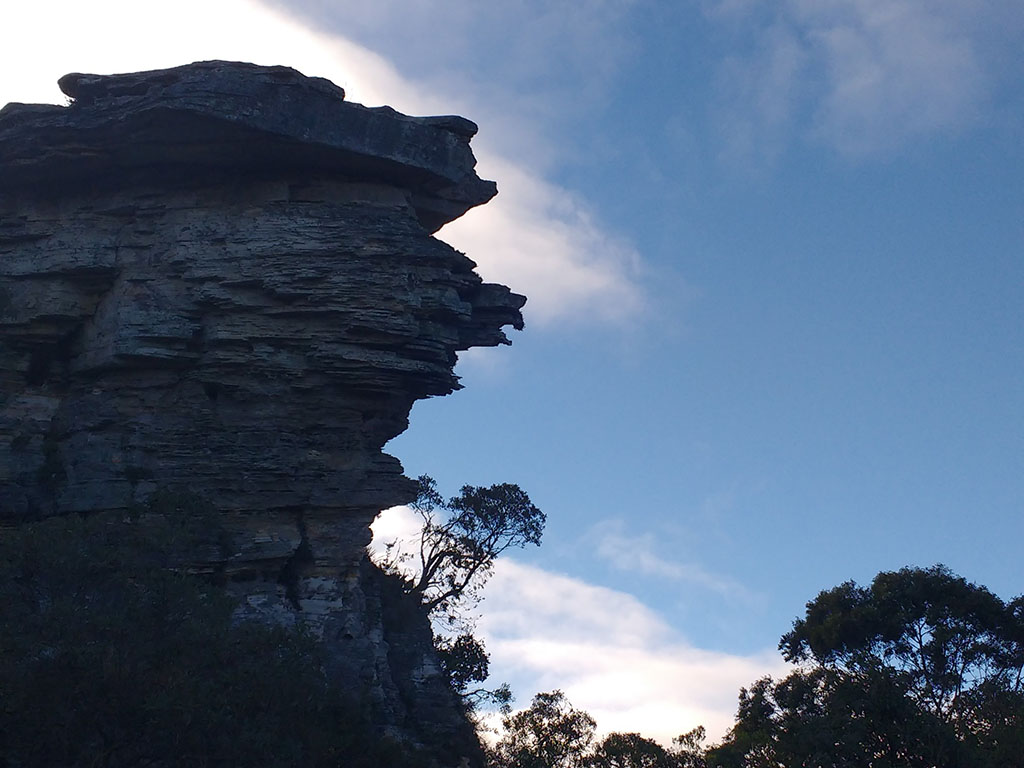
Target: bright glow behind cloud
48,39
534,236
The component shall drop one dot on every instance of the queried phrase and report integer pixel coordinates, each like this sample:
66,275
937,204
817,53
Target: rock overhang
239,231
233,118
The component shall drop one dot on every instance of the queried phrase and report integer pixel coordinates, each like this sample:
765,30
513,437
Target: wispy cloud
525,65
639,553
758,95
861,76
536,236
894,71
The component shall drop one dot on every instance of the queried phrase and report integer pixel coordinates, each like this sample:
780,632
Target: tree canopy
461,538
465,661
629,750
550,733
921,668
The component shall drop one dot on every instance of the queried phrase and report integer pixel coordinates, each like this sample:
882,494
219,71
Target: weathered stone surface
219,279
215,114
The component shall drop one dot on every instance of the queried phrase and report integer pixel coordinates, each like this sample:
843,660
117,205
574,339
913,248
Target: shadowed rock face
220,279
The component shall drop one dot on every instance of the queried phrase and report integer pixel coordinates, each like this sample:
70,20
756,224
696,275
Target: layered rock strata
219,281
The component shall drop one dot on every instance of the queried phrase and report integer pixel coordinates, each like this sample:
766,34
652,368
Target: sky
774,255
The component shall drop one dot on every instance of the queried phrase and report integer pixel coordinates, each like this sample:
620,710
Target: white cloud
535,235
397,528
540,237
49,38
863,76
613,656
400,524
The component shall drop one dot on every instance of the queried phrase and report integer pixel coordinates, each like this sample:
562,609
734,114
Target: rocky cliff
219,281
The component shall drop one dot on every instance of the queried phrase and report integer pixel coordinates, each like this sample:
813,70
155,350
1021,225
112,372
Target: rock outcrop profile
219,280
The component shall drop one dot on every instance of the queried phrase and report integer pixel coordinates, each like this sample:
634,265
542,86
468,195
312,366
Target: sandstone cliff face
220,280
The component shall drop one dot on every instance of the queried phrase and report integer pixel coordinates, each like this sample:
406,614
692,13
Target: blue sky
775,259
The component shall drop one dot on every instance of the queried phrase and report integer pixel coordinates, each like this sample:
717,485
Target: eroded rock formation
220,280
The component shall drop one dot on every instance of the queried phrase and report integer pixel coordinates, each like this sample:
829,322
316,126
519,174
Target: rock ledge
229,116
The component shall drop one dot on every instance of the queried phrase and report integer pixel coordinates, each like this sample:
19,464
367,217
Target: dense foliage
551,733
112,655
921,668
630,750
465,661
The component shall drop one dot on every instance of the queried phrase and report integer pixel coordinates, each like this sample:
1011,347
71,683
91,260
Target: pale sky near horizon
775,339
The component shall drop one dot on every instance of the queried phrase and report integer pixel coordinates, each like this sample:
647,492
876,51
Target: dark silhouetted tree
466,661
921,668
550,733
630,750
454,556
689,748
461,538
